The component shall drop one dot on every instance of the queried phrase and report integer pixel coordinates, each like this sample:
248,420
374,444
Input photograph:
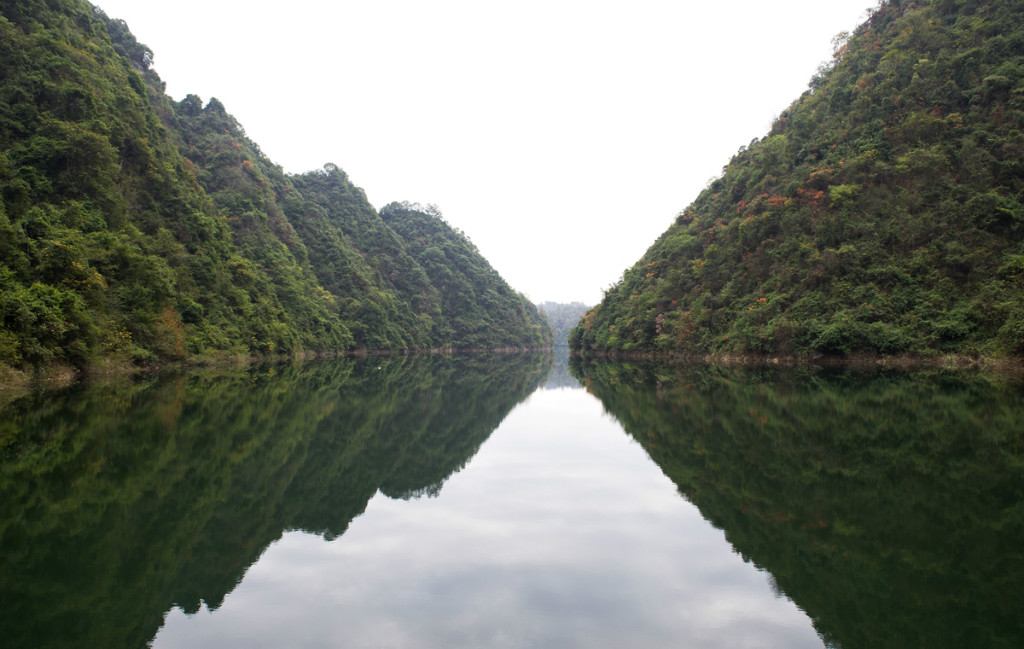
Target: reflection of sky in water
560,378
559,533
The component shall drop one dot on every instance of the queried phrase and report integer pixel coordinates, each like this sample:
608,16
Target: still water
492,501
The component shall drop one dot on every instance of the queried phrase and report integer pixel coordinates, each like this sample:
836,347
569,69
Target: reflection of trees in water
430,491
886,505
560,376
121,502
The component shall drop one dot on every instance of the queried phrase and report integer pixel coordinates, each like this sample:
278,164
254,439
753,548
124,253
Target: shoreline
15,382
1010,365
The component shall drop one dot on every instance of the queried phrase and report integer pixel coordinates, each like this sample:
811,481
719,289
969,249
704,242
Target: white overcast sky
562,136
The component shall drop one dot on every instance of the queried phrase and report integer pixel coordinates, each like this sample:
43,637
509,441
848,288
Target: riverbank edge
1009,365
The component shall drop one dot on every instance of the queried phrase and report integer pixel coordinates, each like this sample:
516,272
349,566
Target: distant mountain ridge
136,227
563,317
882,214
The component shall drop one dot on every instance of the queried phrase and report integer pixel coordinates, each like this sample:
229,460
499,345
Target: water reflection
559,534
560,376
888,506
119,503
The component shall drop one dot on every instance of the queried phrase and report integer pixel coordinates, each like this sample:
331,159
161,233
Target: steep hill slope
882,214
137,227
476,304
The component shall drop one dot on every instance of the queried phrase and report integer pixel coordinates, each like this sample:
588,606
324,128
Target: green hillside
476,305
882,214
144,229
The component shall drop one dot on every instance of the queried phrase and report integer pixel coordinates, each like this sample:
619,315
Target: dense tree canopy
882,214
475,302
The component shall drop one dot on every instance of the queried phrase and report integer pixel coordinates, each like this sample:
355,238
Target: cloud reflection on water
559,533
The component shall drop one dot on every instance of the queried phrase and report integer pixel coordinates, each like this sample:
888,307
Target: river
508,501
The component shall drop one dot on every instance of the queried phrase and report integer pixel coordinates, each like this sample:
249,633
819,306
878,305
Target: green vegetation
120,502
476,305
140,228
883,213
887,506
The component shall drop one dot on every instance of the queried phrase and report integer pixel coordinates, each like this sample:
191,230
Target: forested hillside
476,304
140,228
882,214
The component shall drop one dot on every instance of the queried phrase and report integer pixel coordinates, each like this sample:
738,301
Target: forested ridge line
882,215
144,230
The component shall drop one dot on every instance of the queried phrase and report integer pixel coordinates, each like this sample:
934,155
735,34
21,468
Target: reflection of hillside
118,504
889,507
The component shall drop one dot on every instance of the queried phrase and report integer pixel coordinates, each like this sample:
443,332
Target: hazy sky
562,136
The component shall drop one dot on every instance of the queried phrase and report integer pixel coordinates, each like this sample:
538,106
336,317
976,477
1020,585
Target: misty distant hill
562,318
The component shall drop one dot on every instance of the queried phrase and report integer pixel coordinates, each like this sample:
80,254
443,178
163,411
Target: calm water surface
491,501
